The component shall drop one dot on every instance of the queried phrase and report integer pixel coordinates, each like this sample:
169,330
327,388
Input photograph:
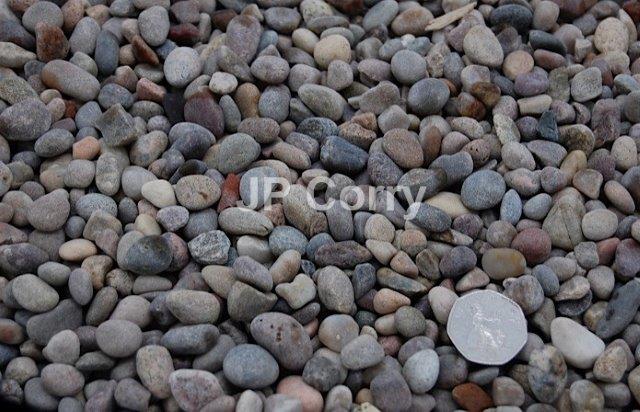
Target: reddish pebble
534,244
295,387
548,60
390,344
185,33
230,192
348,6
51,43
148,90
71,108
471,397
86,148
627,261
201,108
607,249
143,52
221,18
632,7
73,12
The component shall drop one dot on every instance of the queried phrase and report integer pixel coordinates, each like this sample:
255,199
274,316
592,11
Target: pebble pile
140,271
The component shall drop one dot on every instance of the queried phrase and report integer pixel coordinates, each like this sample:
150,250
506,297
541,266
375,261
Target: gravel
274,205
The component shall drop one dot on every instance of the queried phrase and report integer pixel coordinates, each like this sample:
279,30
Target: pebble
408,67
578,345
154,367
335,290
210,248
236,152
361,352
118,338
149,255
250,366
428,96
611,35
390,390
223,83
131,394
339,155
586,85
153,23
182,66
599,224
421,371
502,263
482,47
33,294
70,80
193,307
322,101
331,48
61,380
194,389
63,347
619,310
66,315
482,190
429,217
25,121
190,340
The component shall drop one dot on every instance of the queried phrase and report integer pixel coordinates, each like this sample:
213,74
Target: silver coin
487,327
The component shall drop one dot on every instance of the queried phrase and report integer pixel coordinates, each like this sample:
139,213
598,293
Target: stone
322,101
117,126
586,85
70,80
119,338
611,35
181,66
578,345
153,24
210,248
250,366
502,263
428,96
390,390
149,255
63,347
335,290
482,47
482,190
547,373
61,380
33,294
42,327
243,36
191,339
421,371
25,121
154,367
193,307
361,352
620,310
192,389
610,365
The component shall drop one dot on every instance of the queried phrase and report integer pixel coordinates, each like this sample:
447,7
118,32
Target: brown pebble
471,397
51,43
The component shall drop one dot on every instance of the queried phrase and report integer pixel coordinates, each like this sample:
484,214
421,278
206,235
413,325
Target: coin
487,327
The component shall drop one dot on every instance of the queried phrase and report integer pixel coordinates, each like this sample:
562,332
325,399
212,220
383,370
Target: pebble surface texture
149,263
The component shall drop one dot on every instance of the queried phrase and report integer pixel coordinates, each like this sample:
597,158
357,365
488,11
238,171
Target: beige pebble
77,250
517,62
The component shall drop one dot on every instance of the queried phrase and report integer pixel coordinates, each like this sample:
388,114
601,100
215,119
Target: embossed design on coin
487,327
